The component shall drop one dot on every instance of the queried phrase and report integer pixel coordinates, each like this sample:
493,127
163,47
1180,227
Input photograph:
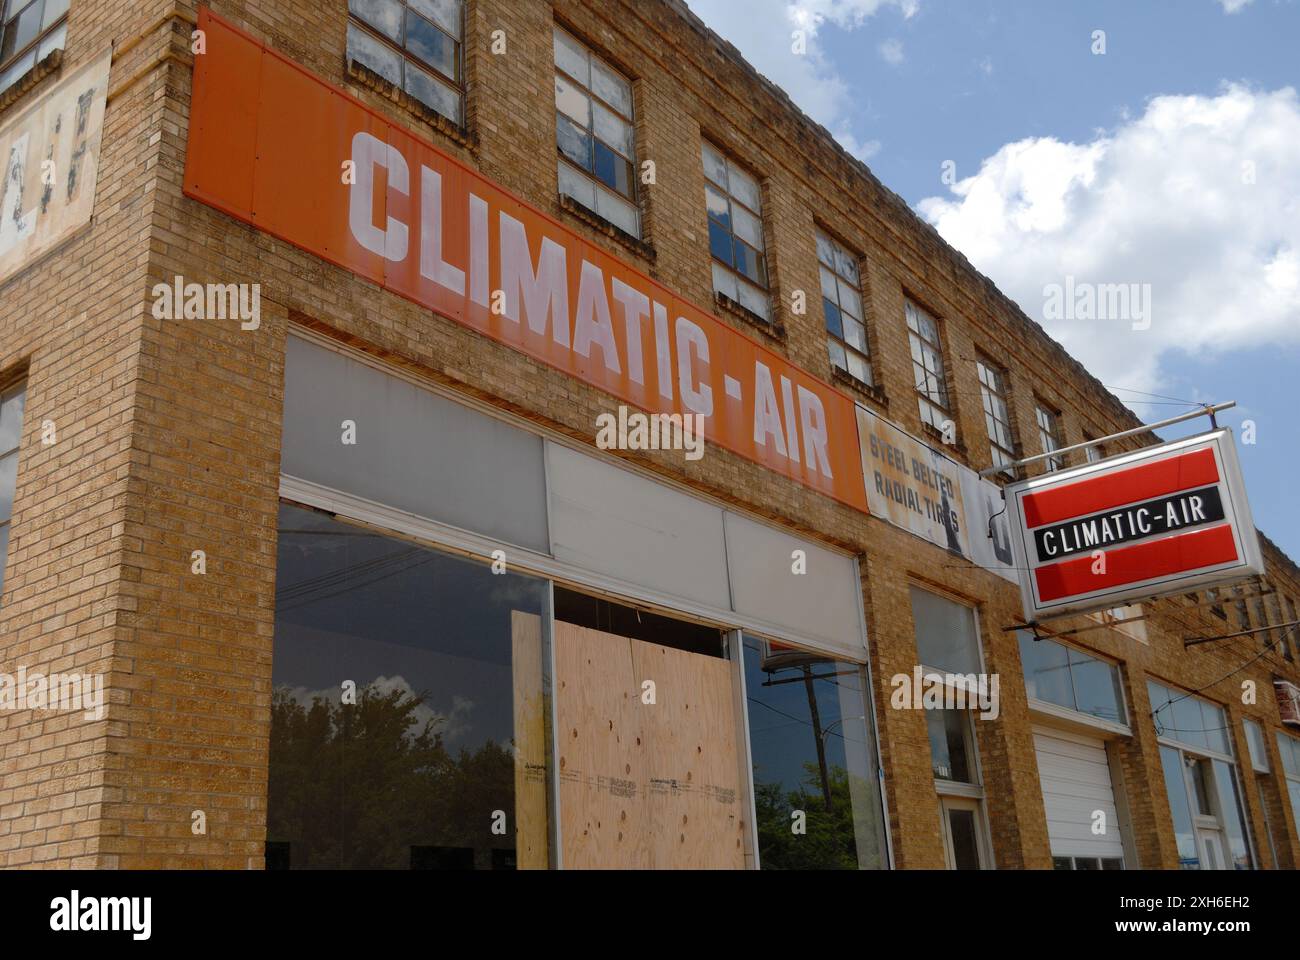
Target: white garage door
1076,783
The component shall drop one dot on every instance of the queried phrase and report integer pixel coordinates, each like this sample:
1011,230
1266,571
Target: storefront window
1172,762
810,735
1289,748
406,720
1070,678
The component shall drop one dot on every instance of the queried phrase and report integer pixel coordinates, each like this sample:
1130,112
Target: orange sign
278,147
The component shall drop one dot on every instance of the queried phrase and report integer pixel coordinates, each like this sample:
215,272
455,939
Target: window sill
867,390
53,60
773,331
363,76
609,229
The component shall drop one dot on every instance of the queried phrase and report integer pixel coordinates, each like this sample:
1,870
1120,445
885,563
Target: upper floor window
417,45
1255,741
1095,452
947,635
997,414
11,430
735,210
927,366
29,31
1049,433
842,306
593,130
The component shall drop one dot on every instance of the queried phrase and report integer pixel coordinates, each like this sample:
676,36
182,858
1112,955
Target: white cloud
1235,6
762,31
891,51
1165,199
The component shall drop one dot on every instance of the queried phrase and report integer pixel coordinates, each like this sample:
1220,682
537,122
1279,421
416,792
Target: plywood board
530,741
645,786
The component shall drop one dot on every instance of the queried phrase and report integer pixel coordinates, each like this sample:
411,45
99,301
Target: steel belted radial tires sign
1168,519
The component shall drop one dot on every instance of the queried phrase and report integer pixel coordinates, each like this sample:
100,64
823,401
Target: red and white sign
1168,519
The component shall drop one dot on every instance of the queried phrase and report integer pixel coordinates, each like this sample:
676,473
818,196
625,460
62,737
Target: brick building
362,588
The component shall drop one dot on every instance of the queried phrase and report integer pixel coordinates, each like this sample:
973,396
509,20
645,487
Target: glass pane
948,759
53,10
829,289
724,282
618,211
845,265
572,100
1096,687
612,169
1198,772
855,334
1255,740
573,142
365,49
1231,815
1112,863
1047,671
715,167
431,45
747,226
384,15
720,244
571,57
614,130
8,480
4,551
859,367
20,31
407,776
753,299
945,633
1175,786
718,207
833,322
576,185
837,355
850,302
611,88
743,187
1062,863
432,92
1293,791
11,419
812,750
56,40
965,840
19,67
1215,724
1188,725
825,249
445,13
750,263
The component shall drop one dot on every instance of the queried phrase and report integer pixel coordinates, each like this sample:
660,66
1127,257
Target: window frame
457,83
765,287
632,198
941,400
1051,435
999,390
13,388
42,34
1074,714
854,284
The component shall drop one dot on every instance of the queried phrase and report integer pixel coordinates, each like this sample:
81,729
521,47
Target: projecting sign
1168,519
278,147
50,159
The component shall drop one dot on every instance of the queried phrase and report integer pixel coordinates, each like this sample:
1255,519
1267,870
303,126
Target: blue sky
1170,162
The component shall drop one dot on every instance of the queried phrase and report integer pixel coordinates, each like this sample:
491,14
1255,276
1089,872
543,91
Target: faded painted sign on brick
50,157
